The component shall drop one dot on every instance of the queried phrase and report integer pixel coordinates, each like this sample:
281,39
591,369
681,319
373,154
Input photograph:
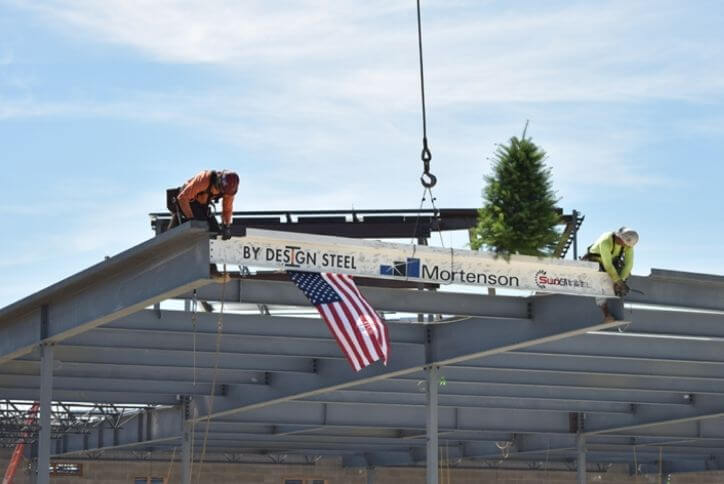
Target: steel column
186,456
46,392
433,377
370,475
581,462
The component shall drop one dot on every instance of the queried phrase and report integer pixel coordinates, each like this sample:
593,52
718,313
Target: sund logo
543,281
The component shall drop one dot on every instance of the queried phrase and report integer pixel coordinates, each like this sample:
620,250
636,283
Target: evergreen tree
519,214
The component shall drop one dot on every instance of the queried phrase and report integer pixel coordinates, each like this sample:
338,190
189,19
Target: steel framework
66,418
527,379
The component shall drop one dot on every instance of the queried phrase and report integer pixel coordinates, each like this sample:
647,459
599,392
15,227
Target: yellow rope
170,465
447,460
636,466
219,333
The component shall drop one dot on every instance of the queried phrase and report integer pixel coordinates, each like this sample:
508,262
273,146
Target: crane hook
426,157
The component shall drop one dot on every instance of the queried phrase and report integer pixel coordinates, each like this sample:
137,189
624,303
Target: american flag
359,331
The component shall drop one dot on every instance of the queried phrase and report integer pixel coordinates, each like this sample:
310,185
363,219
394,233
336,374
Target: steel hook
430,182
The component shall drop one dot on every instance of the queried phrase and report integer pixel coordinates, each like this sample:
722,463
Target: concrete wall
124,472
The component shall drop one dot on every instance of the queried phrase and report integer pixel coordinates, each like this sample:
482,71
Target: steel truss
66,418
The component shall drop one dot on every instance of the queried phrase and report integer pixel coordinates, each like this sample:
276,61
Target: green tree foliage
519,213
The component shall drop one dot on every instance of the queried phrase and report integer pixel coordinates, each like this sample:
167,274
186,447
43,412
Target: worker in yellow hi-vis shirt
615,255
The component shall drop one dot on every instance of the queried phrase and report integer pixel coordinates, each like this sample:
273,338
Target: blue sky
316,104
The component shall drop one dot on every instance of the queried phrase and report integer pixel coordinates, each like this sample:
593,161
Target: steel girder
158,269
661,288
674,288
426,345
103,361
382,299
505,368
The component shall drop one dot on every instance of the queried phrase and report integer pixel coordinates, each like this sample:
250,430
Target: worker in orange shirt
192,200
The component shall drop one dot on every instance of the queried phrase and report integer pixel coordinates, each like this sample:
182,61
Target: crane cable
426,155
427,179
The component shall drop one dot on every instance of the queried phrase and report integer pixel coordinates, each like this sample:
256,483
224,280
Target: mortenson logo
407,268
411,267
543,281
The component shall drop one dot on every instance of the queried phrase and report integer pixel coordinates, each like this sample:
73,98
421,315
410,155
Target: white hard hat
629,236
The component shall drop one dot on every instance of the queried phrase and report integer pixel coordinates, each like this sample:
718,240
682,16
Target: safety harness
616,260
172,195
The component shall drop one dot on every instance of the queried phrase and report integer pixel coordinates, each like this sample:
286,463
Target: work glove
225,232
620,288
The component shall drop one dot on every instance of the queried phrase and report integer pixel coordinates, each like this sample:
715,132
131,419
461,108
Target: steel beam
613,345
663,288
656,321
610,349
163,267
579,379
574,358
87,386
703,407
557,461
554,317
477,400
117,362
674,288
461,425
248,326
382,299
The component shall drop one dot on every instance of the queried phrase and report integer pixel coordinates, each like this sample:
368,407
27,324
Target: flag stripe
364,308
341,338
347,320
354,350
377,324
365,322
344,322
357,317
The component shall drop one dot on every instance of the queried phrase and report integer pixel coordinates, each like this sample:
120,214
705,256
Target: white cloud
330,85
607,51
218,31
329,91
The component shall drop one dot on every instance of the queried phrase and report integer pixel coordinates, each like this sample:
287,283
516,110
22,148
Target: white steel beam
408,262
